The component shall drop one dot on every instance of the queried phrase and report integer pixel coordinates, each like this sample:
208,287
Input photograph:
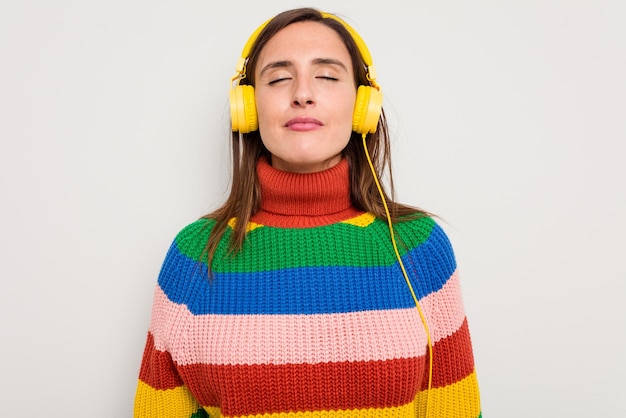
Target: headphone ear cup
367,109
243,115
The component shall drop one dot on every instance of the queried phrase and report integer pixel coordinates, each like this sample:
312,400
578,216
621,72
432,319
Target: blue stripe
308,290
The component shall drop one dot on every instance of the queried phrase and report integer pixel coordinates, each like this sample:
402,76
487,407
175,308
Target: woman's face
305,95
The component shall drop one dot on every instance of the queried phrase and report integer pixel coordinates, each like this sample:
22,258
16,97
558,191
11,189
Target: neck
304,199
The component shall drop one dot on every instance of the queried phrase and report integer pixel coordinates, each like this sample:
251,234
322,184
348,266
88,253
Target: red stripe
256,389
453,358
157,368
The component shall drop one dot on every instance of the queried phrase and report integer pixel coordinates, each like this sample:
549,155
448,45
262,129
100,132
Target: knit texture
312,318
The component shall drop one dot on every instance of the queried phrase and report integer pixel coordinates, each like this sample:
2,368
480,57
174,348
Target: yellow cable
406,276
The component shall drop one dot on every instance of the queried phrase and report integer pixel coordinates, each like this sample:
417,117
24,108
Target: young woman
309,292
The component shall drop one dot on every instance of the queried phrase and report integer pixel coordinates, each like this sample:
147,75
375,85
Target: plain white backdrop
508,120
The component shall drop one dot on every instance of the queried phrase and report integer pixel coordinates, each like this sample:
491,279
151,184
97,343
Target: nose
303,94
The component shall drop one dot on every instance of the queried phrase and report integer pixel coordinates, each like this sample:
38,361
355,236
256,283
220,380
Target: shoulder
429,253
426,234
422,228
191,239
184,258
195,229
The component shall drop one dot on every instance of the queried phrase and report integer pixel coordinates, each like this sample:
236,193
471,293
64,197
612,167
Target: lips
303,124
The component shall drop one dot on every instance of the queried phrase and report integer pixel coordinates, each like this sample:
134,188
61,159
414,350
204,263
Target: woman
306,292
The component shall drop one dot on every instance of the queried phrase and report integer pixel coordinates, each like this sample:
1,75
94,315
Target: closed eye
328,78
278,80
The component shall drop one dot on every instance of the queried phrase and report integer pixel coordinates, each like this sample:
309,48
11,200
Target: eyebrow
316,61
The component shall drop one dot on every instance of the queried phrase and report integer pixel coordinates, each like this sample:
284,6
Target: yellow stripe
395,412
361,220
459,400
213,411
251,225
155,403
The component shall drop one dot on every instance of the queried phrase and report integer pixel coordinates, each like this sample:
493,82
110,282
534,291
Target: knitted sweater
312,318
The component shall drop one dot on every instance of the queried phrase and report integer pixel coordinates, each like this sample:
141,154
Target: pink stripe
444,309
289,339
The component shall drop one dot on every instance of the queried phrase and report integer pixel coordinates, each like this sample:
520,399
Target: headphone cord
404,273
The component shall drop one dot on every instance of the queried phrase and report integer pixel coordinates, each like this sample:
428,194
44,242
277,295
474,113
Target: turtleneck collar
304,200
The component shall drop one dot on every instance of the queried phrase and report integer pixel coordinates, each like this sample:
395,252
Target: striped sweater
312,318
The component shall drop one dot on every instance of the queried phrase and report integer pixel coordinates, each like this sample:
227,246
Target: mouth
303,124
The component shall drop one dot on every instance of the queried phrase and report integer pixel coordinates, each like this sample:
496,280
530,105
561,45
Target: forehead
303,39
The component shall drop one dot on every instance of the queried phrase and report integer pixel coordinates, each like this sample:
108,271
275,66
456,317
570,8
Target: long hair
244,198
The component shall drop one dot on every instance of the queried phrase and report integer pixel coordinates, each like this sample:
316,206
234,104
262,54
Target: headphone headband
364,51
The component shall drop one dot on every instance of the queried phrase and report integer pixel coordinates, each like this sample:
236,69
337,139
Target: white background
508,120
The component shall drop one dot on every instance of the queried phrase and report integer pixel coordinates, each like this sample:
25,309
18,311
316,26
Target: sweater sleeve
161,392
454,390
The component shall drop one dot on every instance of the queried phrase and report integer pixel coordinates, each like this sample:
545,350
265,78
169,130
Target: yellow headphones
367,107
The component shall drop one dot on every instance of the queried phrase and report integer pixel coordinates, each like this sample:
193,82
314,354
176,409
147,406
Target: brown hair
244,198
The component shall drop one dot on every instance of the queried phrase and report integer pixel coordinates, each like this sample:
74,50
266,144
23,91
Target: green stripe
193,238
339,244
200,413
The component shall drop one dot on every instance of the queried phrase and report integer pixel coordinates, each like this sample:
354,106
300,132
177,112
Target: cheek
347,104
267,111
345,114
265,119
